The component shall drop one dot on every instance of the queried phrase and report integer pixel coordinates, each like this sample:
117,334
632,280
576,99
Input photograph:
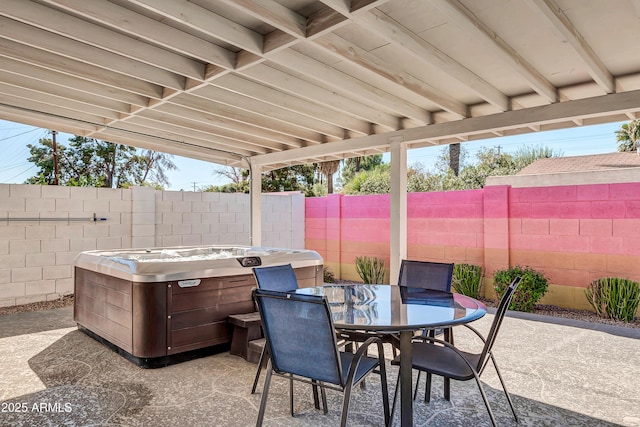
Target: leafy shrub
370,270
328,276
467,279
614,297
533,286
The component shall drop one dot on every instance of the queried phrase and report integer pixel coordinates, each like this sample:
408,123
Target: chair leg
506,393
415,391
363,383
448,337
291,393
325,407
395,399
447,389
346,399
484,398
385,393
262,363
316,398
263,400
427,388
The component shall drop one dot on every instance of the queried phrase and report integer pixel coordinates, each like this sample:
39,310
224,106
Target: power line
19,134
21,173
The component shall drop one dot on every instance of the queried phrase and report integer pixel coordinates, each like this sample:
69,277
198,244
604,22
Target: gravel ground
548,310
65,301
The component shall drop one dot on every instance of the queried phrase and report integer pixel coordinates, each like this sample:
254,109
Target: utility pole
55,158
194,185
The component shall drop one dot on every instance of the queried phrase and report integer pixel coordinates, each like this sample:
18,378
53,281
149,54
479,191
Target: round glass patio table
397,309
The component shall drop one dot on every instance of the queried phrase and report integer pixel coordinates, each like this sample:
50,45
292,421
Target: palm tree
454,158
328,169
628,136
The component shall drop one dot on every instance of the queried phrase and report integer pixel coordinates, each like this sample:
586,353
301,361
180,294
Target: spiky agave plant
614,297
467,279
370,270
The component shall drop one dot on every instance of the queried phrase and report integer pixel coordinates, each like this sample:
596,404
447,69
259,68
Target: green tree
238,177
328,169
354,165
89,162
628,136
372,181
153,166
290,178
490,162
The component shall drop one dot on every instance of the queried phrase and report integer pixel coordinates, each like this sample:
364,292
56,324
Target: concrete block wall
37,252
42,229
191,218
573,233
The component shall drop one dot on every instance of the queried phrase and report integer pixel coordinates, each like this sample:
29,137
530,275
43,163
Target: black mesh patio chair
425,274
435,276
440,357
274,278
302,345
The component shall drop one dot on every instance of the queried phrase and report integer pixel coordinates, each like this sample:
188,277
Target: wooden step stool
246,328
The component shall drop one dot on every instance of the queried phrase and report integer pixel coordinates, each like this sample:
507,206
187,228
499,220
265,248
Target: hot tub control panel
250,261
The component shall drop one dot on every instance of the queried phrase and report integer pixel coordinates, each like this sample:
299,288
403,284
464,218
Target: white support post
256,204
398,211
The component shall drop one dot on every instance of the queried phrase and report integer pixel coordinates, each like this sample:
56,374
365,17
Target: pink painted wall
573,233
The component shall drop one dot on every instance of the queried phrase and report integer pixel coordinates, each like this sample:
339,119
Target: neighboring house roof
594,162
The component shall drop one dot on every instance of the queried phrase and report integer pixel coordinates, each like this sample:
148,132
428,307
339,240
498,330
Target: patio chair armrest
475,331
450,346
363,347
362,352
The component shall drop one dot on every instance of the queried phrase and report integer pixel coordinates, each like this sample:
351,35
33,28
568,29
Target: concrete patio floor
559,372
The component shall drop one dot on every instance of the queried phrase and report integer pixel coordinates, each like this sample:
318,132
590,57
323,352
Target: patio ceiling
293,81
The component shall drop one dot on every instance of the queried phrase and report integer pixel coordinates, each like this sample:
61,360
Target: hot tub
155,305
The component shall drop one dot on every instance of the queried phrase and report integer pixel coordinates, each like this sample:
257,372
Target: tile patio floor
558,375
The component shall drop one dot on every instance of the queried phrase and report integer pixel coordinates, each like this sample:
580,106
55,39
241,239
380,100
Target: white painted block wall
37,252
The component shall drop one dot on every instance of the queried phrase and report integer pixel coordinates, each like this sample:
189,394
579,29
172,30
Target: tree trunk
454,158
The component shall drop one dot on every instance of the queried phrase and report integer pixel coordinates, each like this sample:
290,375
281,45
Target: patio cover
267,84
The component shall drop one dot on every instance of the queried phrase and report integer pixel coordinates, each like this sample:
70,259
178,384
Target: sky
195,174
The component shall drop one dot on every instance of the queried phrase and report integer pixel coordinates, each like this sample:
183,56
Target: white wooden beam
382,25
109,84
207,130
180,133
328,98
393,73
150,30
201,19
260,136
78,29
329,76
274,14
101,86
565,28
80,51
238,114
33,88
617,103
464,19
231,91
294,104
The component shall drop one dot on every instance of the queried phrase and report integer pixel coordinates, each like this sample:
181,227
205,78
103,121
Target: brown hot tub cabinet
163,305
